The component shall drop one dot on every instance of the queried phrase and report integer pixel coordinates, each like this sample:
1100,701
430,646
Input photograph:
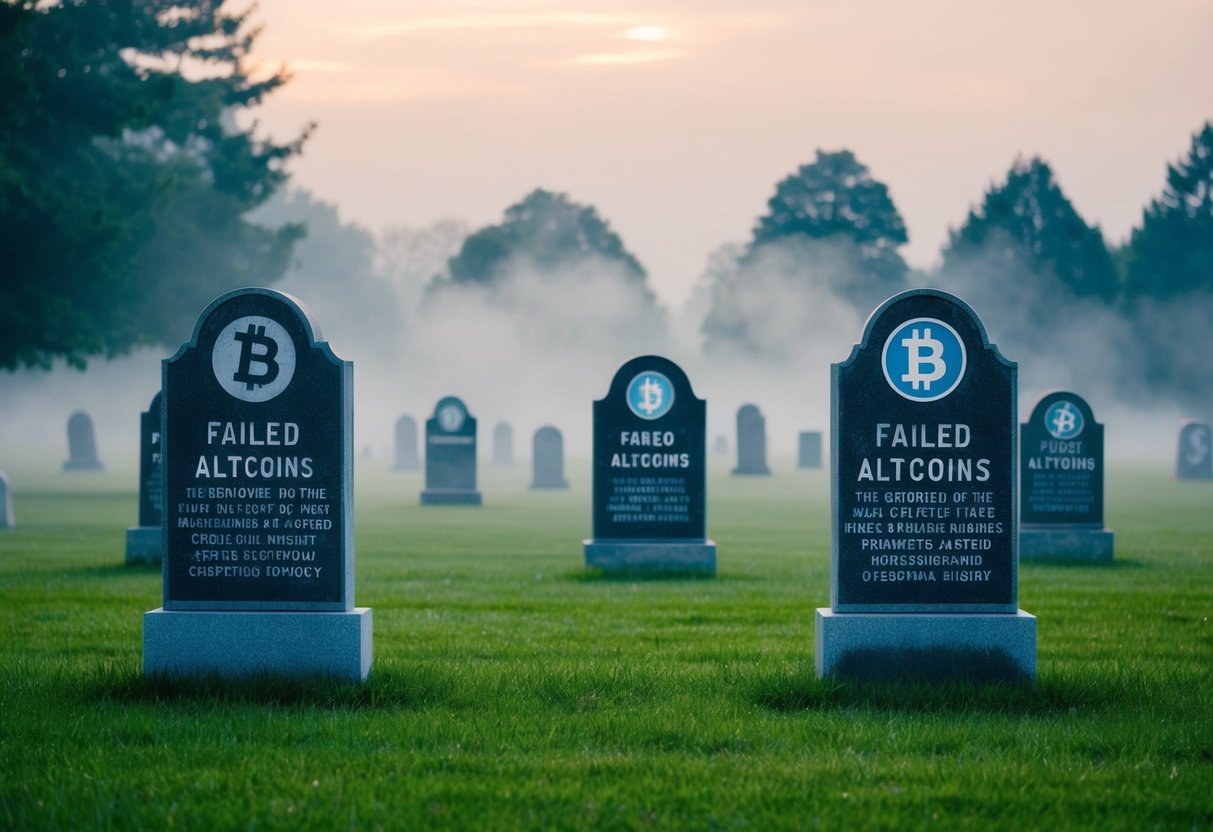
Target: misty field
512,690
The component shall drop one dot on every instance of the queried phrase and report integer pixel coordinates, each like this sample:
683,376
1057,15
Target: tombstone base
240,644
1065,543
764,471
974,646
144,544
550,486
450,497
651,556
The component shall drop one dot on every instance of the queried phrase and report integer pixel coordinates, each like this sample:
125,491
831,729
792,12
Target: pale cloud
647,56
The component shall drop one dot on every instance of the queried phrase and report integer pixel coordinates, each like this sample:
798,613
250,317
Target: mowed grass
510,689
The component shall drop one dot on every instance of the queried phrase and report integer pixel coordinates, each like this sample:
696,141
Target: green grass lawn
511,690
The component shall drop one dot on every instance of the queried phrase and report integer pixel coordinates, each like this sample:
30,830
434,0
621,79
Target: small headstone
406,445
650,449
145,542
81,444
257,452
547,459
808,454
450,456
924,562
720,446
751,442
1062,477
503,445
1195,458
6,502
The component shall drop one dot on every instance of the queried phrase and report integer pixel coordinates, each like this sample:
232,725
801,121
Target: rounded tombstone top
1063,414
749,411
548,432
450,414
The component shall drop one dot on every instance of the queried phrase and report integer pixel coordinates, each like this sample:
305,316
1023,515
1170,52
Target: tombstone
751,442
450,456
6,502
1194,460
257,455
145,542
547,460
649,482
1061,466
406,445
81,444
721,445
503,445
808,454
924,560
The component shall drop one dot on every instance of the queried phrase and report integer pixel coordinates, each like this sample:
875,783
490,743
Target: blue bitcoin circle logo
923,359
1063,420
650,395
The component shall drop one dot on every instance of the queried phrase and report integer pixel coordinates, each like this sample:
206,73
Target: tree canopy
544,230
1027,223
1171,253
124,177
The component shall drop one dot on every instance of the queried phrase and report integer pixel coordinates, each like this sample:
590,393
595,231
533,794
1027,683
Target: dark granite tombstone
1194,460
6,502
1061,482
547,460
649,482
81,444
809,450
406,445
503,445
145,542
450,456
257,453
720,445
924,562
751,442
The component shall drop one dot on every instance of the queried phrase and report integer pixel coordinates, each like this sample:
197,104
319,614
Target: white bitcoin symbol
915,345
1198,446
652,396
1063,420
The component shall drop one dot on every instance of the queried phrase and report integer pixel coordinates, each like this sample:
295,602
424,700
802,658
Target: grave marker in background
751,442
547,459
406,445
1062,482
450,456
503,445
1194,460
81,444
808,454
257,452
649,483
924,554
145,542
6,502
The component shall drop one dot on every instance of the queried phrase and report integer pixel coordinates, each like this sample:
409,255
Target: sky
676,118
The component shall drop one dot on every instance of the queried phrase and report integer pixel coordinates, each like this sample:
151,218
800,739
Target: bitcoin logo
253,358
1197,444
450,418
1063,420
650,395
923,359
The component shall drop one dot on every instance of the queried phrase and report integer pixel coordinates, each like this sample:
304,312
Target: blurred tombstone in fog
1195,458
6,502
547,459
721,445
751,442
145,542
81,444
450,456
503,445
406,445
809,450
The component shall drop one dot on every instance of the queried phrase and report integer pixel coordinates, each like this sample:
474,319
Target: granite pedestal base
144,544
238,644
450,497
979,646
1065,543
752,472
651,556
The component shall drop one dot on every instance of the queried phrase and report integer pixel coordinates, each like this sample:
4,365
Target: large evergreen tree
1171,253
124,179
1026,224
